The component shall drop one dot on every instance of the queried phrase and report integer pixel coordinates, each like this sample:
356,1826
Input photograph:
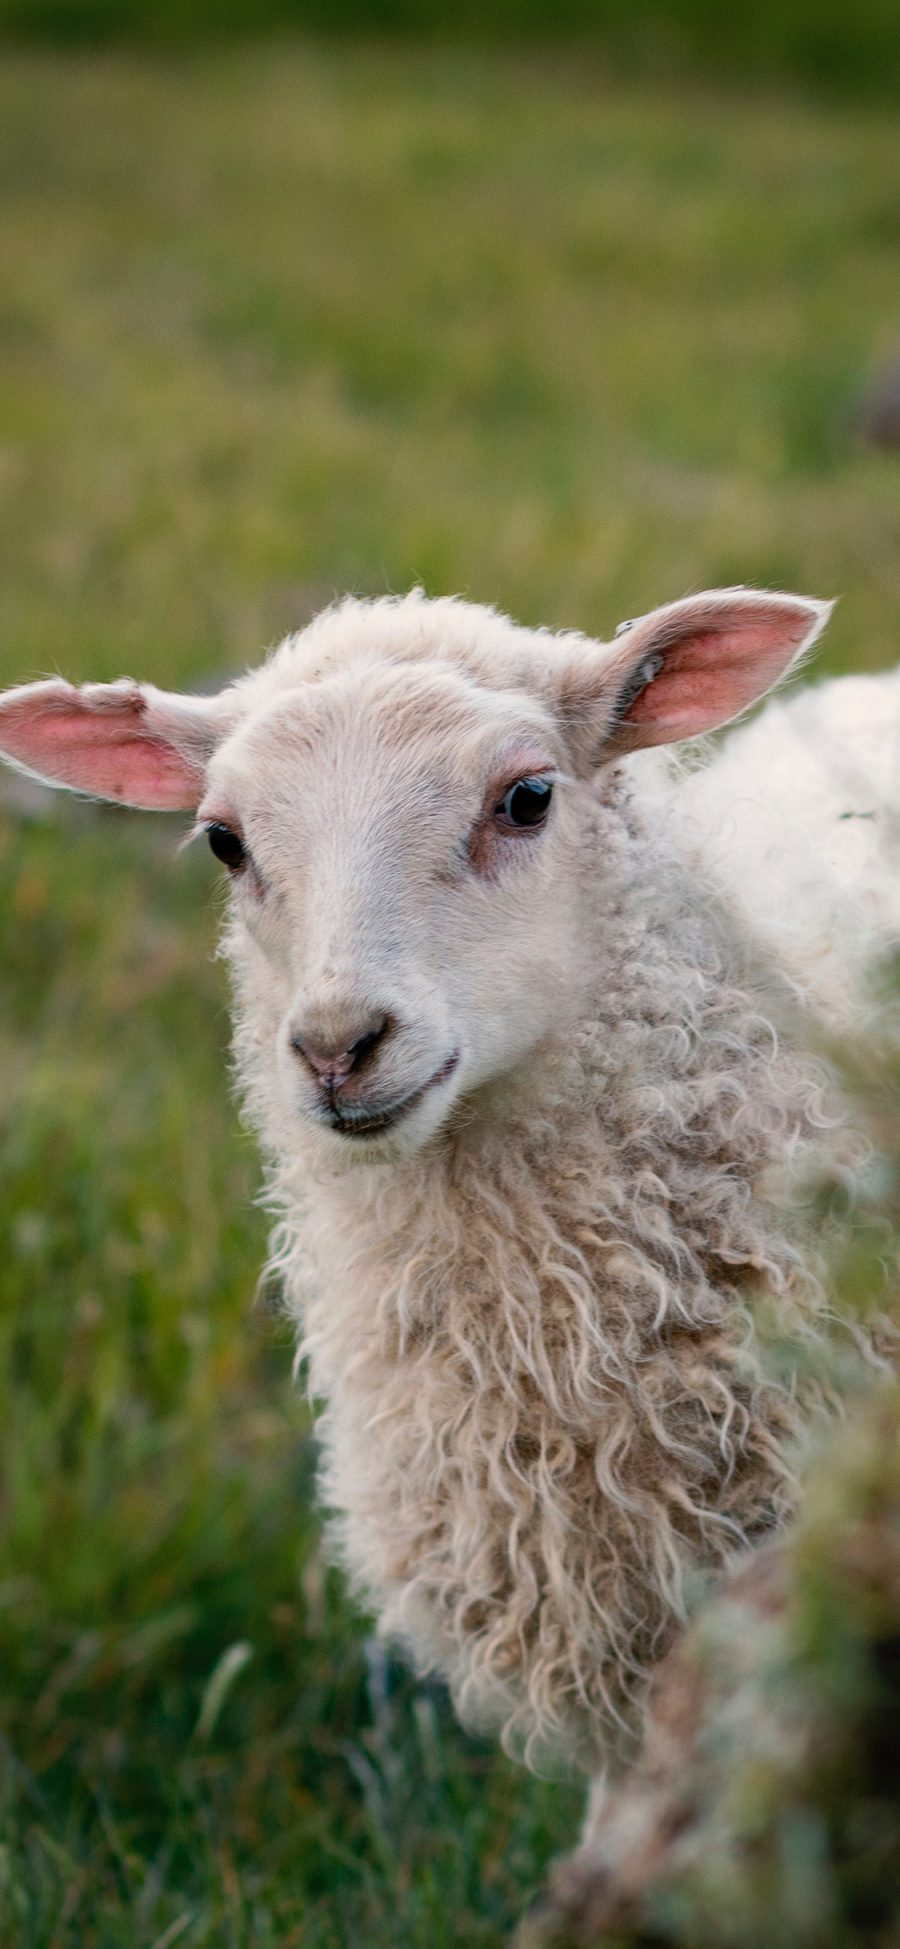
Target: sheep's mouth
373,1123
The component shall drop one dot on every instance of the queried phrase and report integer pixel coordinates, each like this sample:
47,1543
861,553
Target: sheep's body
796,822
530,1315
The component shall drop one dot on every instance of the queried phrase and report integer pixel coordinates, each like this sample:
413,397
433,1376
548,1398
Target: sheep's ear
692,665
123,741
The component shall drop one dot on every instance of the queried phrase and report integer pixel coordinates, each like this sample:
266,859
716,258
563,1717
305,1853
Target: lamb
507,979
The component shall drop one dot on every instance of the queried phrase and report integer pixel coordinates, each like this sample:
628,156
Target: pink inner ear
97,741
714,665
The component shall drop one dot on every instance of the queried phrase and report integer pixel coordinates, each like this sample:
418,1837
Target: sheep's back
795,818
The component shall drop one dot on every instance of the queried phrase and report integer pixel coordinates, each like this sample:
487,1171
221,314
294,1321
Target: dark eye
527,803
227,846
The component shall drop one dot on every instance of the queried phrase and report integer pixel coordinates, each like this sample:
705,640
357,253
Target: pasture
275,323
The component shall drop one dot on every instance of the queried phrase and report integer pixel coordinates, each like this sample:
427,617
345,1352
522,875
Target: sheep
508,977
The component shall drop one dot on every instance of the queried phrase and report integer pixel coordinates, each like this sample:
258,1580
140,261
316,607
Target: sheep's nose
331,1061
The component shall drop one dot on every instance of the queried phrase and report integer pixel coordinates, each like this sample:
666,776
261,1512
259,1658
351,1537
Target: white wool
795,820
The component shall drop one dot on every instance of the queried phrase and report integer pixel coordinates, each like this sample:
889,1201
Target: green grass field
274,324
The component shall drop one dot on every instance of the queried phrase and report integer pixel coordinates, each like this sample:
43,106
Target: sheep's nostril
364,1044
332,1063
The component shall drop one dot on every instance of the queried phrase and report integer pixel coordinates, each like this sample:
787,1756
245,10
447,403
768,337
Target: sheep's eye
226,845
527,803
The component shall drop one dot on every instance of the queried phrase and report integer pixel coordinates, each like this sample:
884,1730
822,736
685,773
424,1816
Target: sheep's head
405,798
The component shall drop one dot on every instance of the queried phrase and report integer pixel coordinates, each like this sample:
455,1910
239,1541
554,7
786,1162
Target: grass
819,44
275,323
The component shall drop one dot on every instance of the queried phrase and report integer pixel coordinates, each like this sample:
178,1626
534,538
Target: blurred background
573,310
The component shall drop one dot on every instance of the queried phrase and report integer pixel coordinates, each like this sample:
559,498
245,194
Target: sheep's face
403,886
405,798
